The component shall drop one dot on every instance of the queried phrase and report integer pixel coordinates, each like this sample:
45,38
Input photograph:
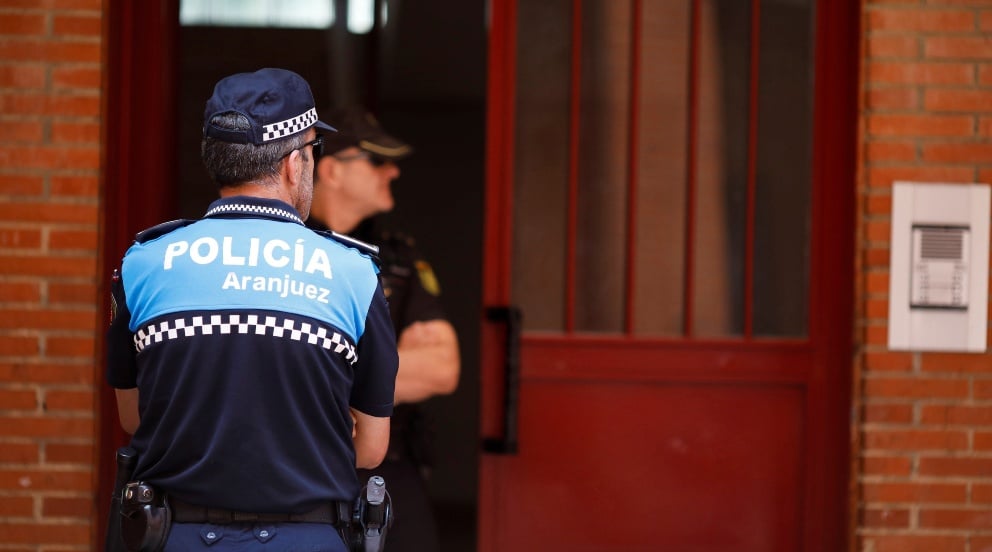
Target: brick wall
49,199
925,461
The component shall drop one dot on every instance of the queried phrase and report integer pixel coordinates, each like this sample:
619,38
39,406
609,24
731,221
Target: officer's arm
429,361
371,437
127,409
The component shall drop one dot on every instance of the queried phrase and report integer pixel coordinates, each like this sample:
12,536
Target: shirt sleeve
375,371
122,368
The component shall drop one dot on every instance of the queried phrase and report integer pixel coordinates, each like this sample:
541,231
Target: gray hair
230,164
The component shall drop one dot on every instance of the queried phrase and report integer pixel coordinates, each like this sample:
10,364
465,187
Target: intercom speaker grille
942,243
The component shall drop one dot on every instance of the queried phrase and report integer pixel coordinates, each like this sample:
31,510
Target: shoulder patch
161,229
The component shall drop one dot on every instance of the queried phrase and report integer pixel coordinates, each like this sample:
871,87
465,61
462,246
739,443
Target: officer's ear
327,171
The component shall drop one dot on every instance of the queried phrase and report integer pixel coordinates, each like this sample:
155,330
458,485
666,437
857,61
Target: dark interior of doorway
424,75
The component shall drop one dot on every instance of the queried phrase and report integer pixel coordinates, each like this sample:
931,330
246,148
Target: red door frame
139,179
827,506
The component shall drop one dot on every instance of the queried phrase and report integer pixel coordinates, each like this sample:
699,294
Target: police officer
351,186
253,359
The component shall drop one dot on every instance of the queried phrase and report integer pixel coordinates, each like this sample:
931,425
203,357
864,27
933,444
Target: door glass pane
721,167
661,177
600,256
541,162
782,195
573,231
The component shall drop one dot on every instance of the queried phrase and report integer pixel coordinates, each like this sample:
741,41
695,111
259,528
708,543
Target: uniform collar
257,207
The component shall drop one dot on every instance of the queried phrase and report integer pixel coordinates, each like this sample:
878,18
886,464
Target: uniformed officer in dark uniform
254,359
352,186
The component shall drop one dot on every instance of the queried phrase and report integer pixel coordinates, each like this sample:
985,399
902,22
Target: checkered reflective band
285,128
225,324
249,209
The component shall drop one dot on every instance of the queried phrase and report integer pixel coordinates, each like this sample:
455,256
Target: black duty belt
183,512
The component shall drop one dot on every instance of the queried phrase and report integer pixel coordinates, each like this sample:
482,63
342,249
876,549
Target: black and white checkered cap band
222,324
285,128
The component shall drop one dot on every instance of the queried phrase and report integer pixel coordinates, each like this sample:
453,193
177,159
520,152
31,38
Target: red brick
876,308
890,151
19,345
45,427
876,334
77,507
958,100
76,133
43,480
22,23
956,415
915,492
68,453
915,74
20,238
956,518
76,77
87,25
885,176
19,292
21,185
69,239
913,543
40,104
886,466
888,414
35,372
892,98
904,126
918,440
64,319
88,186
878,231
893,46
956,363
887,518
53,4
985,176
17,506
29,49
41,212
46,266
981,543
18,399
39,157
981,493
21,131
70,346
877,257
955,467
942,21
69,400
62,293
890,387
18,453
957,47
877,281
22,75
16,532
957,153
879,203
985,127
983,440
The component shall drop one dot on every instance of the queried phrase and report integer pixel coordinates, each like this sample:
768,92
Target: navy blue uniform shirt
248,337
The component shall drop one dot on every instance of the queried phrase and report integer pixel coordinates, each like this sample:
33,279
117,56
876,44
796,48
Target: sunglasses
318,147
374,160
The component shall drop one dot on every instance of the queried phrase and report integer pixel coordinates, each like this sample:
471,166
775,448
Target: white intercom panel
938,274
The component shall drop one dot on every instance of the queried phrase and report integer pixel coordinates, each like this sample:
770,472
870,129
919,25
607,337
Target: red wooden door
668,274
